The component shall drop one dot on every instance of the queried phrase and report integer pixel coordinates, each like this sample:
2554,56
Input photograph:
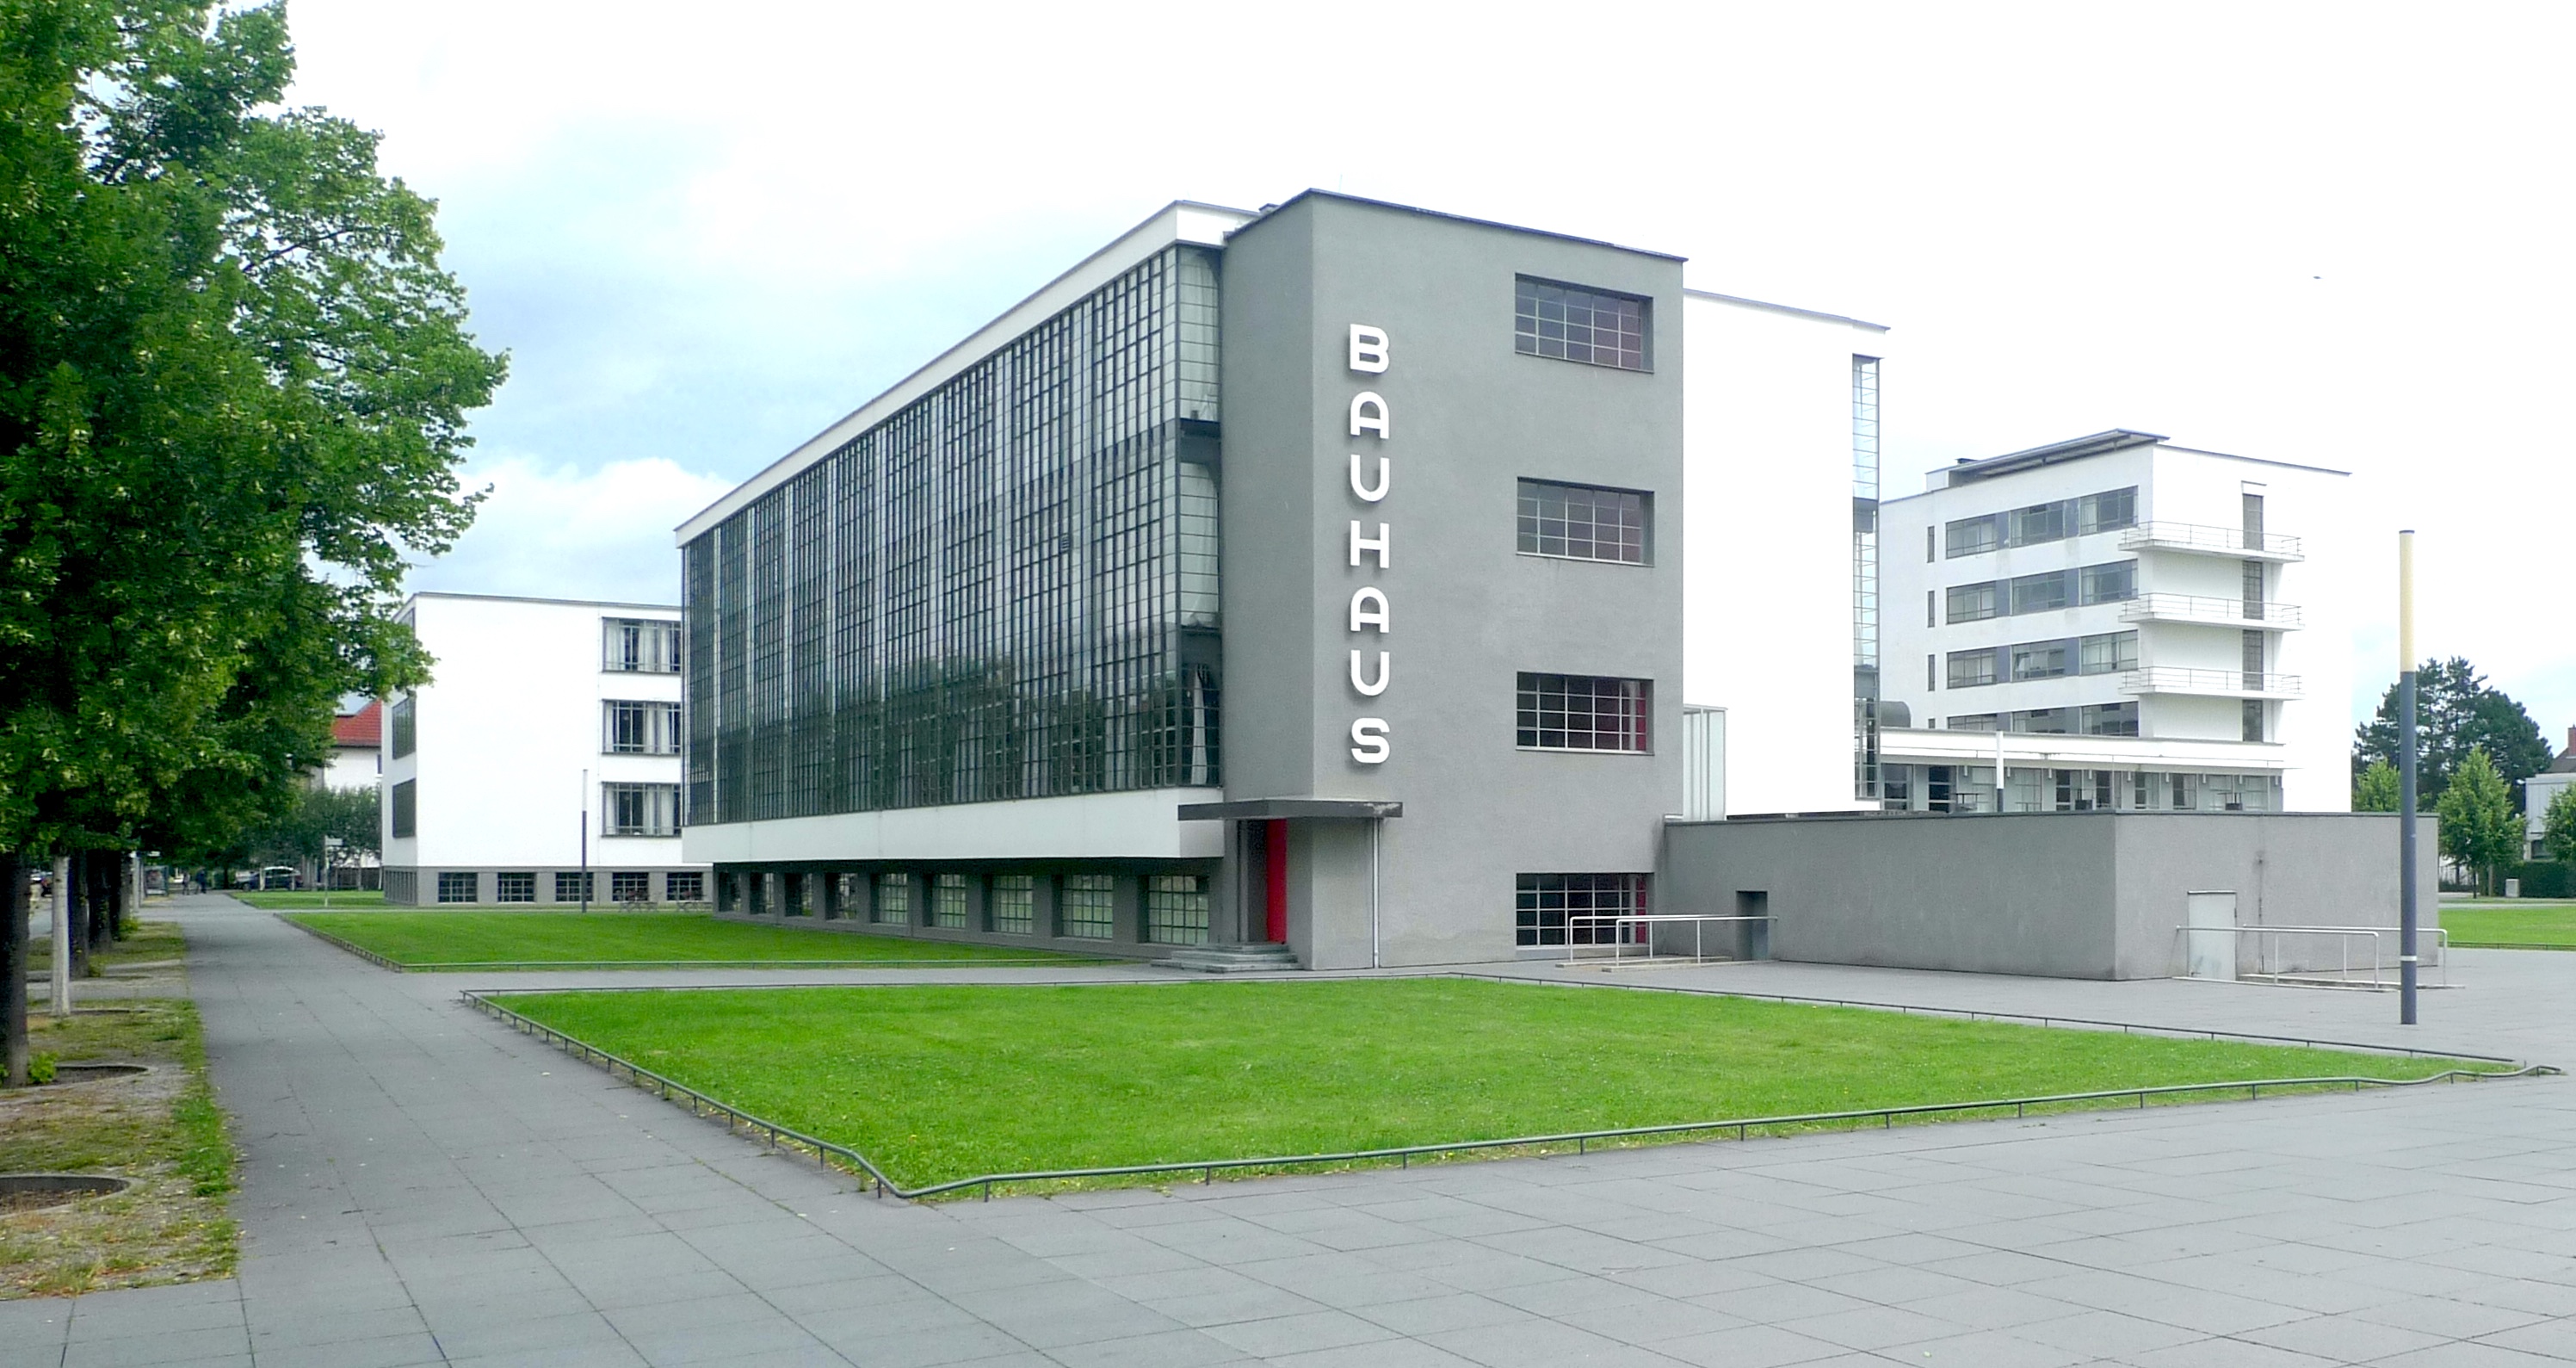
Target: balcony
2205,540
2179,679
2218,612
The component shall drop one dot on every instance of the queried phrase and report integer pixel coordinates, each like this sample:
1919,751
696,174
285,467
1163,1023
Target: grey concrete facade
2095,895
1468,417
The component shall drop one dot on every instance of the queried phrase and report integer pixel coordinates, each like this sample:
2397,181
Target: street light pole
585,840
2406,777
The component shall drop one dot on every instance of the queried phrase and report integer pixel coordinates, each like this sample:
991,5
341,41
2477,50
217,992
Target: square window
572,886
1015,904
628,886
514,888
1089,909
684,888
457,888
1176,909
948,901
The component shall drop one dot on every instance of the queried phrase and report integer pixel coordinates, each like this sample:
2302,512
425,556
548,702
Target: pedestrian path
423,1186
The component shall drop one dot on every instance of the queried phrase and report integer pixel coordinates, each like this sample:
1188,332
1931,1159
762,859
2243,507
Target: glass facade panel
2042,592
630,886
948,901
1088,909
691,887
1582,523
1571,323
1975,602
1015,904
1581,712
2113,582
1006,589
2108,652
403,808
456,888
514,888
2042,659
406,723
572,887
1576,909
1969,669
894,900
639,809
1176,909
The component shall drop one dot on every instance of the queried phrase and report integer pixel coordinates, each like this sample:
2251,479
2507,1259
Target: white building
546,746
2125,623
2538,790
1780,474
357,749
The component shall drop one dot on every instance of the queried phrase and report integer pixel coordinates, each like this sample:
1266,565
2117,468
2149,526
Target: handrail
1618,949
2187,679
825,1150
2206,537
2441,960
2204,608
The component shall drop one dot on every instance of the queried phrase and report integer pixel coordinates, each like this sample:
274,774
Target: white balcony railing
2181,679
2210,541
2224,612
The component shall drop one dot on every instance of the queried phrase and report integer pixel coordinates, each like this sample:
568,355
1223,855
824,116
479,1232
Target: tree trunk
76,889
14,967
120,910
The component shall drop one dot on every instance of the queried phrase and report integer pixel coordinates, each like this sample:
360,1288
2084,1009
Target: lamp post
2406,777
585,840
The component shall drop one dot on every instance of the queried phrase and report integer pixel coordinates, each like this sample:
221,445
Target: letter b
1368,349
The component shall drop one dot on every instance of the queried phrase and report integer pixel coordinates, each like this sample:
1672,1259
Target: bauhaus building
1343,576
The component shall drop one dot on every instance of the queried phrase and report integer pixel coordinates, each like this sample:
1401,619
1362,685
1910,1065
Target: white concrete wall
353,767
1091,826
506,728
1766,545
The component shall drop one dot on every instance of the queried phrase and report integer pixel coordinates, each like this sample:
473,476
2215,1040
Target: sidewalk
423,1186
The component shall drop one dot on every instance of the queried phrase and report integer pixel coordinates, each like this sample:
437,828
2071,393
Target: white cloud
557,531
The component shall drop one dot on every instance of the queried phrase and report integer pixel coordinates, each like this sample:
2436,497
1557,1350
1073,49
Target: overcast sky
2331,234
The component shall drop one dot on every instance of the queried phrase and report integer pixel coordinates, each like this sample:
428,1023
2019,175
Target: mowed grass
430,940
2512,921
285,900
938,1082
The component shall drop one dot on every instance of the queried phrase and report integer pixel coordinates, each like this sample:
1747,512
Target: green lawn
941,1082
284,901
2511,921
435,939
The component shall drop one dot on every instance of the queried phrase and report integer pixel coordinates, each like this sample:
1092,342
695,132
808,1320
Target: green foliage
302,836
40,1067
939,1081
2558,826
2481,828
233,380
2378,789
2456,712
431,939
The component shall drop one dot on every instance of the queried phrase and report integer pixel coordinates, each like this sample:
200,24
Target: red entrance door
1274,847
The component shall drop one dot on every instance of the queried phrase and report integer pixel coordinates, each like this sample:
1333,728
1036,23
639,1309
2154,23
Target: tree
326,828
2481,827
2456,712
233,381
2378,789
2558,825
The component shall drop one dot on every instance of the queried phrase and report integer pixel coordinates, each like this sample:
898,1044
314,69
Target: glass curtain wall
1865,577
1005,590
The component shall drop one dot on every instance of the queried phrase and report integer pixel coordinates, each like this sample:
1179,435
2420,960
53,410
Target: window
1930,664
1015,904
1976,722
691,887
1931,602
2041,660
2252,657
1575,324
639,809
1582,523
1581,712
514,888
1968,669
572,886
2253,720
2111,719
2038,523
948,901
2113,582
1970,536
1089,910
641,728
406,721
2042,592
2107,652
456,888
2082,790
2107,511
1928,534
404,805
894,900
1176,909
642,645
1975,602
2043,721
1576,909
627,886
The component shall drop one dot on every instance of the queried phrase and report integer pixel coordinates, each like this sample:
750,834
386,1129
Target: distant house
357,755
2539,789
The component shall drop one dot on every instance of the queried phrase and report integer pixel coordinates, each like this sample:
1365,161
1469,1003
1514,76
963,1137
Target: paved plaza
422,1186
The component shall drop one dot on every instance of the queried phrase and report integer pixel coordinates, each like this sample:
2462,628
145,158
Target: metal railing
2187,680
2221,541
2201,608
826,1152
1619,945
2344,937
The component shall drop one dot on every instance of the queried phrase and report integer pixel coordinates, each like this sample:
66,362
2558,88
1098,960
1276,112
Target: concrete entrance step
1233,959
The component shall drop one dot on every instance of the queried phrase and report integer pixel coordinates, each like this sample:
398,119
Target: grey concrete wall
2069,895
1471,417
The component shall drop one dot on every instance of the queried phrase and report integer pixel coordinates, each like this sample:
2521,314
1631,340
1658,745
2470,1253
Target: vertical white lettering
1360,544
1368,349
1385,470
1368,414
1369,737
1369,609
1371,688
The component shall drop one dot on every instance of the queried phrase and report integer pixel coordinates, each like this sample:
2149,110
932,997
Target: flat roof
1269,209
1790,309
529,598
2102,443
